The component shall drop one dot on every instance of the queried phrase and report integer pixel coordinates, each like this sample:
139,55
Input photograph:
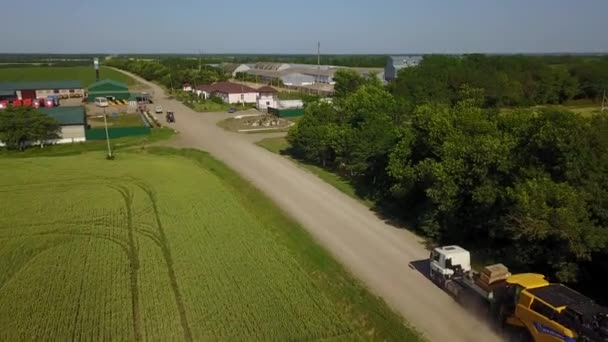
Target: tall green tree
20,126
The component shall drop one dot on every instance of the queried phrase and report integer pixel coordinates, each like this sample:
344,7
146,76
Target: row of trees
529,188
171,72
505,80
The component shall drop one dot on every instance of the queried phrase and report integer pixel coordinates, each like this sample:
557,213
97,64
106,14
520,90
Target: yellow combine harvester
527,303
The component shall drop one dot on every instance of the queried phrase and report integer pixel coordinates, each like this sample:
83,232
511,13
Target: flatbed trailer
466,292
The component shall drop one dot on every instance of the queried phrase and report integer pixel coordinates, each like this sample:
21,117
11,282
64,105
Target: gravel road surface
387,259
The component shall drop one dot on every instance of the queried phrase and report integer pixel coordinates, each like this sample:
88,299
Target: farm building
42,89
271,66
107,87
286,77
287,108
321,74
229,92
293,75
267,97
396,63
233,69
72,122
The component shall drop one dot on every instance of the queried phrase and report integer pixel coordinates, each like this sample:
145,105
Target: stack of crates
492,275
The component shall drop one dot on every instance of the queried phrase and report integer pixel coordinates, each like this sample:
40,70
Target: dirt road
375,252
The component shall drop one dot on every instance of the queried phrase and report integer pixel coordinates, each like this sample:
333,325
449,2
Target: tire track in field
79,299
133,263
164,246
26,259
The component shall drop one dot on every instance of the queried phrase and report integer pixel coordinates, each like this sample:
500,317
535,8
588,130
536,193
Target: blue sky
285,26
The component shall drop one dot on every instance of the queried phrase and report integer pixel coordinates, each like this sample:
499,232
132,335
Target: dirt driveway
386,259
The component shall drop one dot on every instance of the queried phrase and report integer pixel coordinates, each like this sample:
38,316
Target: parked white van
101,102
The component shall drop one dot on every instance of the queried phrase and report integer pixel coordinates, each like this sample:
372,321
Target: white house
204,91
232,92
267,98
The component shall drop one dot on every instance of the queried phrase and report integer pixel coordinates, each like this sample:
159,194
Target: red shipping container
17,103
27,102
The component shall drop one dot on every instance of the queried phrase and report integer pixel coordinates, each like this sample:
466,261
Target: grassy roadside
119,144
279,145
369,314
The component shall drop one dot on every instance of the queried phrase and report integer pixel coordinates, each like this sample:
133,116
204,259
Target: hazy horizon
279,27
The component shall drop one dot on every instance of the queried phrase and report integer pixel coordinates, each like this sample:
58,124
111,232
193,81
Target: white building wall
297,79
202,94
43,93
265,101
72,132
242,97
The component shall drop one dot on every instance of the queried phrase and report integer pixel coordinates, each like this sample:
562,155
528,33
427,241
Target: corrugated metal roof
66,116
36,85
271,66
264,73
108,81
7,92
231,67
312,71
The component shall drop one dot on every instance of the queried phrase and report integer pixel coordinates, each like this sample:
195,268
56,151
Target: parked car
158,109
232,110
101,102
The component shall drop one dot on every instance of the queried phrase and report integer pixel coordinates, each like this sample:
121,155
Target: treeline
171,72
527,188
48,64
338,60
505,80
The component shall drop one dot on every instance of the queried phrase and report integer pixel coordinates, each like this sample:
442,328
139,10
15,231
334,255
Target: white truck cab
445,261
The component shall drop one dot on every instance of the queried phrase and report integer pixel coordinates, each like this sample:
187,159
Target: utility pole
319,67
318,61
105,122
200,54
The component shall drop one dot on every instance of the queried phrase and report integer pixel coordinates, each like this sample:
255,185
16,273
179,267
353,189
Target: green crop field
86,75
164,244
